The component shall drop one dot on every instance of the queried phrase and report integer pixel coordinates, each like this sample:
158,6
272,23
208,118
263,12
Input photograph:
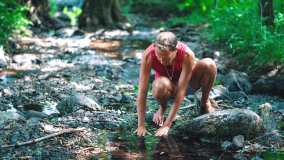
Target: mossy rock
76,102
222,125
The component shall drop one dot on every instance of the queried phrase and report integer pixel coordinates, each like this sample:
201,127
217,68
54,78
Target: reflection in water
165,149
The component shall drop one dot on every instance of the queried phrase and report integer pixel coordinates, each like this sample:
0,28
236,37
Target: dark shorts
189,91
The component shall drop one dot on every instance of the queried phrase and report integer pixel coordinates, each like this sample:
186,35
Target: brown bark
215,4
266,9
38,13
97,14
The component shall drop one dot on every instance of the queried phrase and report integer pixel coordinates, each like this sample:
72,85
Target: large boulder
264,85
11,116
222,125
237,82
76,102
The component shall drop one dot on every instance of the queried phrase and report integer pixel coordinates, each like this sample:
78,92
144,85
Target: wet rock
269,123
125,98
3,63
11,116
75,102
237,82
280,86
225,145
264,85
238,141
29,114
222,125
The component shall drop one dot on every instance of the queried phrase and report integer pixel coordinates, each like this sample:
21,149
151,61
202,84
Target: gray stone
125,98
75,102
88,114
219,77
222,125
238,141
86,120
226,144
237,82
237,95
117,98
31,113
11,116
8,92
34,120
264,85
269,123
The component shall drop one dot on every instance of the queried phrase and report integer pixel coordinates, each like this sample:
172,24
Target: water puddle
126,145
47,108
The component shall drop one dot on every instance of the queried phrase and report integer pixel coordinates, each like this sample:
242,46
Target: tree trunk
266,9
102,13
38,13
215,4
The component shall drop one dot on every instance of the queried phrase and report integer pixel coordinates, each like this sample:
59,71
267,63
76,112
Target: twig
86,149
45,137
189,106
186,99
223,153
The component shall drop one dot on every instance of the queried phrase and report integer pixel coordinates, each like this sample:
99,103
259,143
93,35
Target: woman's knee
160,86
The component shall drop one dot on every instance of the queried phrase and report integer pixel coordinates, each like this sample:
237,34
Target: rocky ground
90,80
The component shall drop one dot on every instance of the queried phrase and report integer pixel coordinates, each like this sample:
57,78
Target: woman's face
165,57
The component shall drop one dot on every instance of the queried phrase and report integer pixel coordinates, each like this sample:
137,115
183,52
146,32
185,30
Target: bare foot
208,106
159,116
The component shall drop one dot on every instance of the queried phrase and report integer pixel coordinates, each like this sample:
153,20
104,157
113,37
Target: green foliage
241,30
74,14
12,19
273,155
53,6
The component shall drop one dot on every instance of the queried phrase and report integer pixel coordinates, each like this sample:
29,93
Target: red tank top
160,69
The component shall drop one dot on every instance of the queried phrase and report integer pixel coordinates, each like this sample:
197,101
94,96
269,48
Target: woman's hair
166,41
